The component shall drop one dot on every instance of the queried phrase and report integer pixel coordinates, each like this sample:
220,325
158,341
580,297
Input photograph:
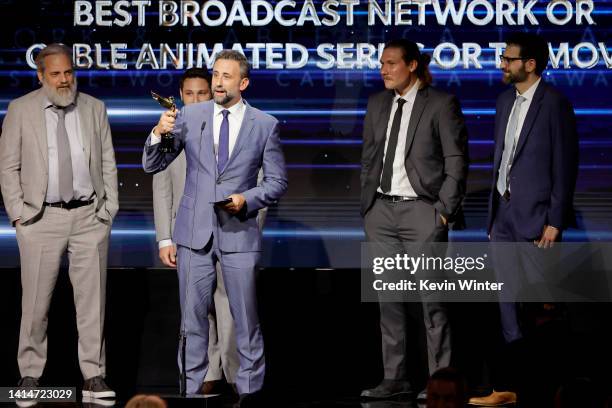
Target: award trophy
167,139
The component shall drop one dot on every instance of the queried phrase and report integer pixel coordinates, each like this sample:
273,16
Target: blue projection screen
314,65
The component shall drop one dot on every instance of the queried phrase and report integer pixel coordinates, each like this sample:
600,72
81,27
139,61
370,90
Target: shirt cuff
164,243
154,139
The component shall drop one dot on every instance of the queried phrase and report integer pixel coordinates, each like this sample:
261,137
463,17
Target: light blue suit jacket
257,146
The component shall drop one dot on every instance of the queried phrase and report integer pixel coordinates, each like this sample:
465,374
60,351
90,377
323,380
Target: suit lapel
208,146
500,136
417,110
380,129
40,126
532,114
83,109
243,135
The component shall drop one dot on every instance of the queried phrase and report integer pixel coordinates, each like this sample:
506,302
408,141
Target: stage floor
174,401
322,342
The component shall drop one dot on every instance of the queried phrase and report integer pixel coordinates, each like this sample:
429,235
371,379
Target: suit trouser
516,265
41,246
409,222
222,351
197,276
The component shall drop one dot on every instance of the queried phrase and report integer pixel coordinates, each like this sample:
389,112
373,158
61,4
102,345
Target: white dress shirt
524,108
522,114
400,185
234,118
81,179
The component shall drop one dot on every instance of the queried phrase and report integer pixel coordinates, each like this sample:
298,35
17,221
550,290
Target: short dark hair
52,49
411,52
531,46
195,73
234,55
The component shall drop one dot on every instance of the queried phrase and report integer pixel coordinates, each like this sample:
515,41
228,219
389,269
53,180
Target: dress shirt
524,108
234,118
81,179
400,185
528,95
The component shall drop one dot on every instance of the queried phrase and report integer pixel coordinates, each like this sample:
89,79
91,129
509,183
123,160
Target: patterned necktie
509,148
387,174
64,158
223,151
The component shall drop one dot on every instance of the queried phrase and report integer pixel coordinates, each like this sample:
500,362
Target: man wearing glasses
535,164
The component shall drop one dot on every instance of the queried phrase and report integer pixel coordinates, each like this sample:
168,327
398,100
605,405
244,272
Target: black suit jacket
545,165
436,150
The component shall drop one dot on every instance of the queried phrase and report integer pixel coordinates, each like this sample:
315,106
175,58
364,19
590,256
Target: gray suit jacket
257,146
24,157
436,150
168,186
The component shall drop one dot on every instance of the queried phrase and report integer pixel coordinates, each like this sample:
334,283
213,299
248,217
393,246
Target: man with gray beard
59,184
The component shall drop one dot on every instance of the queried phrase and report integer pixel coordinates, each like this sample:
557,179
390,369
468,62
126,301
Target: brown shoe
495,399
215,387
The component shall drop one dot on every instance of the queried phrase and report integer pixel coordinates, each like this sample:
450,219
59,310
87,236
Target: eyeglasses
508,60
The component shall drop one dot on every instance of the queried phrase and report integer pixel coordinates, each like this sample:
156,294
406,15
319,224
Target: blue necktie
223,151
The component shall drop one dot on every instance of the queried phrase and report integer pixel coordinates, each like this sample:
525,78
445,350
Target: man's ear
530,65
413,65
244,83
39,74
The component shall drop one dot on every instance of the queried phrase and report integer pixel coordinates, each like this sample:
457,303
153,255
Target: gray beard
60,98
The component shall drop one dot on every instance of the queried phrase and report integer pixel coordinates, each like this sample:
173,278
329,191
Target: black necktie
387,174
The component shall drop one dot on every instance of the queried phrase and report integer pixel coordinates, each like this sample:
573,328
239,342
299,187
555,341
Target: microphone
183,336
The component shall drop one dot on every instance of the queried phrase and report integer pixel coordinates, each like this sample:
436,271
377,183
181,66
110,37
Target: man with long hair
413,178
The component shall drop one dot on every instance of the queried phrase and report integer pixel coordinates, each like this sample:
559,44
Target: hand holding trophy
165,126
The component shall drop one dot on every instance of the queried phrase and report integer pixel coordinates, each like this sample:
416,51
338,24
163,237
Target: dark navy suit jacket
544,170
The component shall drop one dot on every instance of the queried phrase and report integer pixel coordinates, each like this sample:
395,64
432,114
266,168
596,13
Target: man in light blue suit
226,142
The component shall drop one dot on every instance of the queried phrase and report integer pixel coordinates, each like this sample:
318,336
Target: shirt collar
46,102
235,108
410,95
528,94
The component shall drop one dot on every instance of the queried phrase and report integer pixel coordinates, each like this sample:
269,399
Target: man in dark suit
535,164
413,179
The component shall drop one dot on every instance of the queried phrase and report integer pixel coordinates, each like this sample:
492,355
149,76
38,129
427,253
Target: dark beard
513,79
223,101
